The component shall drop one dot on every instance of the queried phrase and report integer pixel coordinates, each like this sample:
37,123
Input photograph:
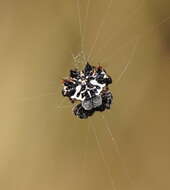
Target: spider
90,87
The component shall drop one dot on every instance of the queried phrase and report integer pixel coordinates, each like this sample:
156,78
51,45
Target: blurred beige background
46,148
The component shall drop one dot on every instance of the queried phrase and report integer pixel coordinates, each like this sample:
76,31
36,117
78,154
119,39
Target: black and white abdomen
90,88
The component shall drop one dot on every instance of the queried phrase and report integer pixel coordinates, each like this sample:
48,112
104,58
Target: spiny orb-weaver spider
90,87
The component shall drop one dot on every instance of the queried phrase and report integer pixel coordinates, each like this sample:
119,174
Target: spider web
80,60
